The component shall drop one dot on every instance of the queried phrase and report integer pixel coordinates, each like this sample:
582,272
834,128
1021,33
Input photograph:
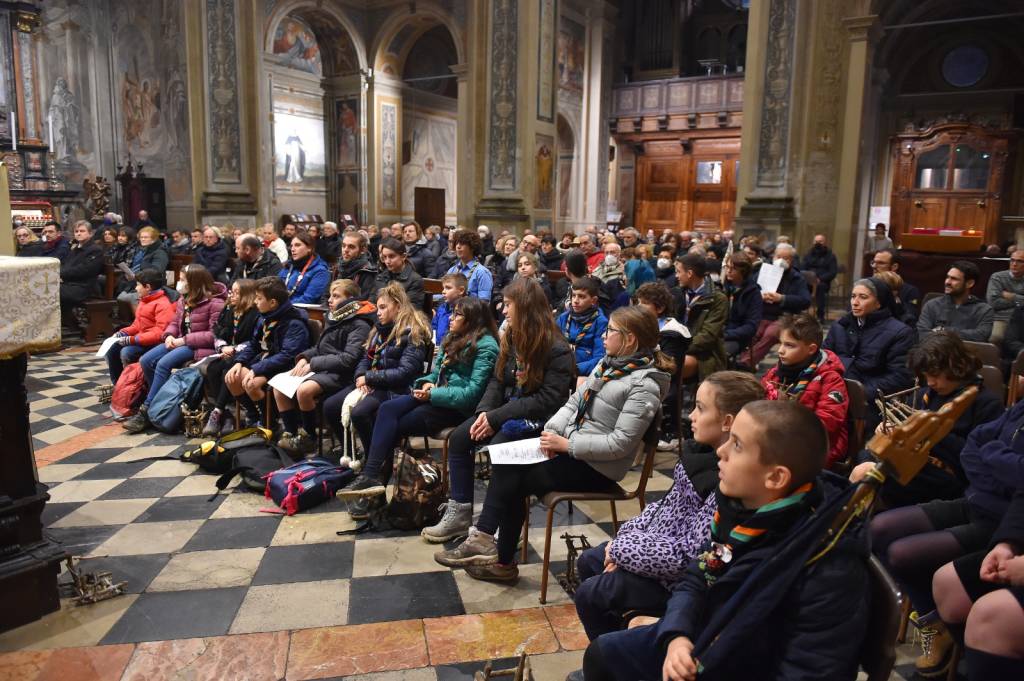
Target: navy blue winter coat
213,258
797,296
289,338
745,310
993,459
768,616
875,354
400,363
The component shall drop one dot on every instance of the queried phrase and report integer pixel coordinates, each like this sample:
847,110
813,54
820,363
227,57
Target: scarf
298,280
736,530
268,329
608,370
793,380
380,342
585,320
351,309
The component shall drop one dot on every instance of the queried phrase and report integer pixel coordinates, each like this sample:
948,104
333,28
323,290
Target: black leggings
216,387
511,485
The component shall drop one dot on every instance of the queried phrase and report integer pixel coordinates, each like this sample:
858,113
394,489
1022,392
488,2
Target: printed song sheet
521,452
288,384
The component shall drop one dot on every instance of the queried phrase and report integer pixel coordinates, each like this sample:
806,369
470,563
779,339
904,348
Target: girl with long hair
188,337
534,374
590,443
234,327
443,398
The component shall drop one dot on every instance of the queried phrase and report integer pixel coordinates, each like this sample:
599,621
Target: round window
965,66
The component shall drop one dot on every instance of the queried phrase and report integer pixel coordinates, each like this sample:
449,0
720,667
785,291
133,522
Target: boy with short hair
811,376
764,599
454,286
583,324
281,333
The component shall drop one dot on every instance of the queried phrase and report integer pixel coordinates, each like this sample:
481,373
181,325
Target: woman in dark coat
535,373
744,304
871,344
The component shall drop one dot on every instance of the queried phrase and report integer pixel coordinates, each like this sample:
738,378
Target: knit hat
880,290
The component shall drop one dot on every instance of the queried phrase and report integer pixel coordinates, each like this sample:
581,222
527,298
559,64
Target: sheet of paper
287,384
205,360
520,452
105,347
769,277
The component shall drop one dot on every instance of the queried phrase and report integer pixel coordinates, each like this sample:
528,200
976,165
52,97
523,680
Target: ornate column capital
862,28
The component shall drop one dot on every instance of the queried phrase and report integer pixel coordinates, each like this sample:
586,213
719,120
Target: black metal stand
29,563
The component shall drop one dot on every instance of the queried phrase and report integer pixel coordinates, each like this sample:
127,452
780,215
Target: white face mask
664,263
610,261
779,262
182,287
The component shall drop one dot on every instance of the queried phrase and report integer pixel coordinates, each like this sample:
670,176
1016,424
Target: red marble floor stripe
253,657
328,652
89,438
98,663
488,635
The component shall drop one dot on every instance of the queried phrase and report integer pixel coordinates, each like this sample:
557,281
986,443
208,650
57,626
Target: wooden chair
878,650
1016,372
993,380
812,284
552,499
99,326
856,420
988,353
930,296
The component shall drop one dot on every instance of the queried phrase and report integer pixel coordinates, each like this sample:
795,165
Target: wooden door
969,211
428,206
929,212
661,187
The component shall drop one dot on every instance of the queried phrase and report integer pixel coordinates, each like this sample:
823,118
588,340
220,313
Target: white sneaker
668,446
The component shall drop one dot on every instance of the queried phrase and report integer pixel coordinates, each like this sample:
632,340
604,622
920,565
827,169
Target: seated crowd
720,569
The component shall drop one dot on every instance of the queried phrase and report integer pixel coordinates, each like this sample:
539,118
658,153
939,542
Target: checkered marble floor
209,579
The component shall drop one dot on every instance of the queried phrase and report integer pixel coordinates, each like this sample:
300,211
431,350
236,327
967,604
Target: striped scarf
608,370
803,379
586,321
268,330
735,529
383,331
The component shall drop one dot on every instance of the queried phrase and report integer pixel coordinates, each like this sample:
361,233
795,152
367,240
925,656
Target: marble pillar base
772,215
508,213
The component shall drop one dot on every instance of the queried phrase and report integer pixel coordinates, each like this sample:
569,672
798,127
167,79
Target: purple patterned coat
662,540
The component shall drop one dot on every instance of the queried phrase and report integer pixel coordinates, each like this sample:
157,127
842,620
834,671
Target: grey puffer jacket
616,420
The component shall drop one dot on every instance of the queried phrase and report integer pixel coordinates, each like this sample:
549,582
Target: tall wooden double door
691,188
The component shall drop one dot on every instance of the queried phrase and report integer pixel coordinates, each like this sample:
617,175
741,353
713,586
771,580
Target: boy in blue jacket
759,602
454,286
281,333
583,325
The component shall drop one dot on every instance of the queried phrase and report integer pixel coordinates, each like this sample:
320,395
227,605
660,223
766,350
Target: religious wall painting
544,171
431,140
296,46
299,163
388,155
346,118
34,161
571,55
546,62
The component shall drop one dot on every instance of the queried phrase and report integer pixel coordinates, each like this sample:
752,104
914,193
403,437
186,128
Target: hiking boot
213,424
227,420
454,523
137,423
478,549
362,486
494,572
247,419
361,508
937,646
301,443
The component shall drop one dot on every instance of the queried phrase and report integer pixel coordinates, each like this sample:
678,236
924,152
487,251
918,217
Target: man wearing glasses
888,260
1006,294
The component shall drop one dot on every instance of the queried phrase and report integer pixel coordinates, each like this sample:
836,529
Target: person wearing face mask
822,261
792,296
611,267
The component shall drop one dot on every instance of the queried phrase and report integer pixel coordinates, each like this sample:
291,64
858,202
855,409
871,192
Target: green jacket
464,383
706,322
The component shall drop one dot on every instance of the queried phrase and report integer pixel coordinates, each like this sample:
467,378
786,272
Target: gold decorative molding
26,22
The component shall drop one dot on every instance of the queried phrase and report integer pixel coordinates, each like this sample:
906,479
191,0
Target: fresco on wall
431,140
347,125
296,46
571,56
299,163
544,171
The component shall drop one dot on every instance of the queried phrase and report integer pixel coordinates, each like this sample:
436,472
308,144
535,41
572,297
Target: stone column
222,44
464,147
848,237
597,103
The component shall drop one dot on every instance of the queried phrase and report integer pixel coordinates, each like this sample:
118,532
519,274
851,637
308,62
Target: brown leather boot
937,646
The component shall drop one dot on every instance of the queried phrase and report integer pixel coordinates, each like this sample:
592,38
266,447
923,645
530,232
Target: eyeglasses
609,331
1019,261
457,314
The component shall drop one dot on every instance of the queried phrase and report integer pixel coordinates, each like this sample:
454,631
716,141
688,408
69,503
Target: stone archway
314,59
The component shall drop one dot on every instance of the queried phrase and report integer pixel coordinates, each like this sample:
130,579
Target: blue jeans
120,356
157,364
397,418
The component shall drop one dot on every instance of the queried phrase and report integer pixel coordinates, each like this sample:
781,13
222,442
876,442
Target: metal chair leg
547,556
